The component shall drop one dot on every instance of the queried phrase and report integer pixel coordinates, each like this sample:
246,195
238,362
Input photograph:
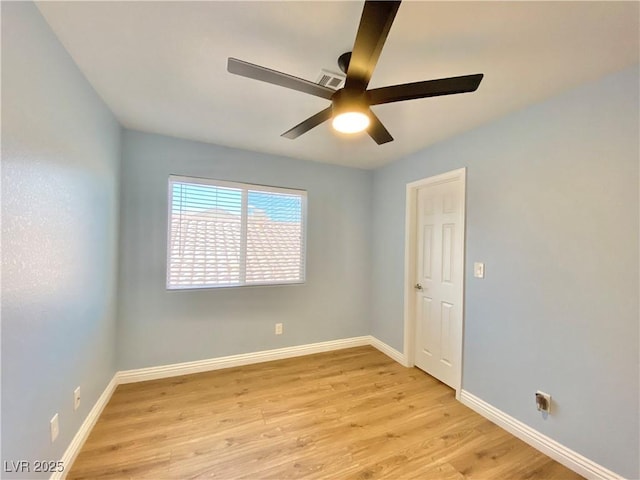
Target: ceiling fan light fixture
351,122
350,111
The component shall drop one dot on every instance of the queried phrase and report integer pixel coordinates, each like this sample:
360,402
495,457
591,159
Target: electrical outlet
55,429
76,398
543,402
278,329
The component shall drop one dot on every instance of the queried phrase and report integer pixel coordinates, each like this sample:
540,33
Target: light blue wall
552,205
552,209
60,163
158,327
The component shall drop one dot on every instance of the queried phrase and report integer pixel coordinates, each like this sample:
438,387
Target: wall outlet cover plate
543,401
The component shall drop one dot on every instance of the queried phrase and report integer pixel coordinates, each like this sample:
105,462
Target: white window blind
224,234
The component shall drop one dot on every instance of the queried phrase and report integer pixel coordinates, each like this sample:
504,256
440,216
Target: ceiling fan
350,105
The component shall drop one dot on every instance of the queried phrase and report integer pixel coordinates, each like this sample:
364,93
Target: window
224,234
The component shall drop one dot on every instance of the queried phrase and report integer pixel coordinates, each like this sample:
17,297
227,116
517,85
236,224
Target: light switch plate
478,270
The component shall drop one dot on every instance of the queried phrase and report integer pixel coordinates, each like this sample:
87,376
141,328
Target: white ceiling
161,66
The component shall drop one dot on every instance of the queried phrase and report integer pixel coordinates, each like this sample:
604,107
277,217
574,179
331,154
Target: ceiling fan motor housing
349,100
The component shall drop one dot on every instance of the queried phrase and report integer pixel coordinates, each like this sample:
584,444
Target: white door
439,279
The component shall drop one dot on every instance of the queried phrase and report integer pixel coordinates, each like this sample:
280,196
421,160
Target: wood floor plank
349,414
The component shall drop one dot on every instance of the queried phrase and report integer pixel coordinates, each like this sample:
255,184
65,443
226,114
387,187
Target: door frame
410,264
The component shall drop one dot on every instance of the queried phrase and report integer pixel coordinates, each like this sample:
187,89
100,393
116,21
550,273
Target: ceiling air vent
330,79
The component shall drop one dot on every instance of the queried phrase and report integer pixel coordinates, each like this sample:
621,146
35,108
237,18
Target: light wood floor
349,414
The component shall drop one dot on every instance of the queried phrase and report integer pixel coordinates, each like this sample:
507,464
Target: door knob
418,286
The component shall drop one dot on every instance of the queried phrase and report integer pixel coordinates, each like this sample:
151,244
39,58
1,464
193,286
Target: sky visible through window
194,198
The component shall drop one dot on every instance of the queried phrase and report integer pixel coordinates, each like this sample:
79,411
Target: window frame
245,187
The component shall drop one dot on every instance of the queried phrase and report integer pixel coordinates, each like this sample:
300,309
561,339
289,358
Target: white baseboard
83,432
570,459
186,368
546,445
165,371
401,358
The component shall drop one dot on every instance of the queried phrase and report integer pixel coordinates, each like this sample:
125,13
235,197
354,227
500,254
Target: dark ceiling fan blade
428,88
309,123
377,131
274,77
375,23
